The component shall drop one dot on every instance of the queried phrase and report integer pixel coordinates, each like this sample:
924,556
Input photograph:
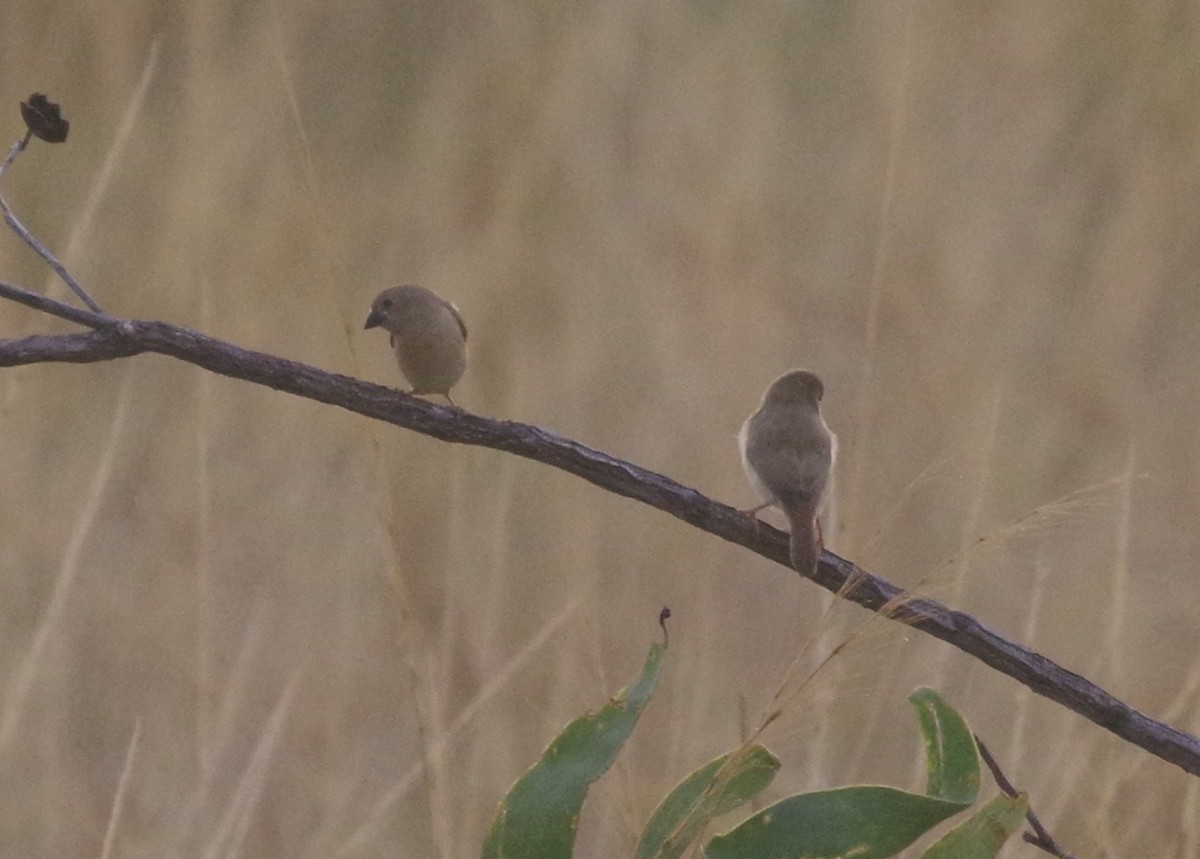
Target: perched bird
788,454
428,336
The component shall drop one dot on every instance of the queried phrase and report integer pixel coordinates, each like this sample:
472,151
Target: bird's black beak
374,319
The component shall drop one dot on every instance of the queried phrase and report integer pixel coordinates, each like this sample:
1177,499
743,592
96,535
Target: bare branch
85,348
19,228
1039,838
55,308
119,338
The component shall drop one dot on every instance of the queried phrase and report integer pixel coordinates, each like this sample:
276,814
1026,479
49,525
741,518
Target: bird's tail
802,517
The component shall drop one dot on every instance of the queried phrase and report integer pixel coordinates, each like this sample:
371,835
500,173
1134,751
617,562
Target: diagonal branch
1040,837
29,239
86,348
112,338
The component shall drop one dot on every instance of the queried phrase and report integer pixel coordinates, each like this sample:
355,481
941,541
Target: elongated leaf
982,834
863,821
951,756
715,789
867,821
539,816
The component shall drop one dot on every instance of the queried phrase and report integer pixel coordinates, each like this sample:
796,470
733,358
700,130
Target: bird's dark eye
386,304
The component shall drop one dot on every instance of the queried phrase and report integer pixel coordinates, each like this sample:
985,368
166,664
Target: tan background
980,223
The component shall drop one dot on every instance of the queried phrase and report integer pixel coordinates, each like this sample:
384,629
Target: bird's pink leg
753,511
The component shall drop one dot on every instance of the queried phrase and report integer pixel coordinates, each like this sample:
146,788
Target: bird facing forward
788,453
427,334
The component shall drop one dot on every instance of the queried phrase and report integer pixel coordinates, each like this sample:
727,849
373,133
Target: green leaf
539,816
863,821
715,789
982,834
867,821
950,753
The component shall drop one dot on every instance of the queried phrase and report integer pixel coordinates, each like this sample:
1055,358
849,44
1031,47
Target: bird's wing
462,326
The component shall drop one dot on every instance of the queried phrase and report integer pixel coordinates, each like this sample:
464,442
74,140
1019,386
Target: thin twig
113,338
19,228
55,307
1039,838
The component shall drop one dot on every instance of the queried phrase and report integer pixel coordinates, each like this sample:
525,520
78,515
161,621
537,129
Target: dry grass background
979,222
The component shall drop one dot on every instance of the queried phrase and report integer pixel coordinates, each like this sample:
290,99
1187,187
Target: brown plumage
427,334
788,453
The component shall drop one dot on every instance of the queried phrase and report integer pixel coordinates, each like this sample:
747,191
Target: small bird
788,453
428,336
